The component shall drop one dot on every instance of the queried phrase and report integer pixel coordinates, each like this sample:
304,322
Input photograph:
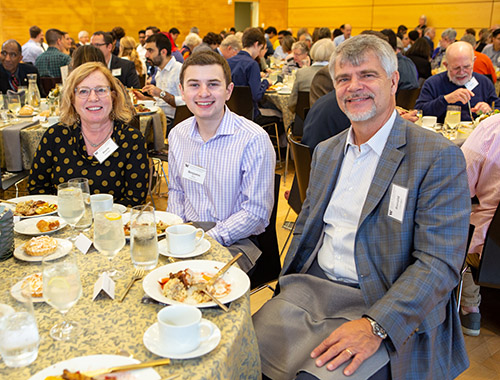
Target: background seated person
449,88
221,165
94,115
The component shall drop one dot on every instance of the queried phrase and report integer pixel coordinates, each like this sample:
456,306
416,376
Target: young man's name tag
471,84
397,204
116,72
105,150
194,173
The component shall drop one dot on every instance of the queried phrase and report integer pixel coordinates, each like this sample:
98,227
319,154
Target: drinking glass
85,222
61,289
70,204
14,105
452,120
3,114
109,237
143,239
420,115
19,336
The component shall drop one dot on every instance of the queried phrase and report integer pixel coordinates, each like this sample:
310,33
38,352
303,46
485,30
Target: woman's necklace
101,142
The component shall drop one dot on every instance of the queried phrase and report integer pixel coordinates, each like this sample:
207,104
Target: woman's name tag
105,150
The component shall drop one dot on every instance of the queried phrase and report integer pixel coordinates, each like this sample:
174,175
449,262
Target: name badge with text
116,72
105,150
194,173
471,84
397,204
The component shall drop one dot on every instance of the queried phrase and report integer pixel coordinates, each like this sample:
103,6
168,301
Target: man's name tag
116,72
194,173
397,204
471,84
105,150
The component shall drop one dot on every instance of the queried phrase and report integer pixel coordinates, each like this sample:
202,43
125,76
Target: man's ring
349,352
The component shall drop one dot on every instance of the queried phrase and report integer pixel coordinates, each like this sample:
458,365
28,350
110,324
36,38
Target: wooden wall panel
358,17
273,13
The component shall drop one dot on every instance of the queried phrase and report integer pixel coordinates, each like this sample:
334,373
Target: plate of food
39,226
141,109
175,283
94,362
33,206
163,221
35,283
26,111
37,247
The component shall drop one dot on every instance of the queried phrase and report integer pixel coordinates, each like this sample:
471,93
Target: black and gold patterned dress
62,155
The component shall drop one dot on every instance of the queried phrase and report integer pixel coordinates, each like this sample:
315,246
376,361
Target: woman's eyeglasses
100,91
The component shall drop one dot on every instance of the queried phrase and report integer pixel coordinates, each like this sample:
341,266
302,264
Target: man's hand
481,106
141,96
151,89
408,115
461,95
354,339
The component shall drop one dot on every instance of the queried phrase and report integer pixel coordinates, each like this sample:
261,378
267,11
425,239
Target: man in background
346,34
493,50
230,46
447,38
49,63
33,48
83,38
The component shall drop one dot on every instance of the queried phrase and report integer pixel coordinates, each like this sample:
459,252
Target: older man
33,48
230,46
13,73
50,62
346,33
83,38
122,69
447,38
458,86
367,284
429,35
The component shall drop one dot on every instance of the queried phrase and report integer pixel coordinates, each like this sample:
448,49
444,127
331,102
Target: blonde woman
127,51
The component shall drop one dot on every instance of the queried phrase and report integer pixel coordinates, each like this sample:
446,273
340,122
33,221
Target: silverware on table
127,367
138,274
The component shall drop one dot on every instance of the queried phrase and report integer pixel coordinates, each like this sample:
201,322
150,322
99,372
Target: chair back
268,265
302,160
407,98
489,266
181,113
302,104
49,83
240,102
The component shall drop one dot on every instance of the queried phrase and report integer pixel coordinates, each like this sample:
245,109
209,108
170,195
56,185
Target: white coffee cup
429,121
101,202
182,239
180,328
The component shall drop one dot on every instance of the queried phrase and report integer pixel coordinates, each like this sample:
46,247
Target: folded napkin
12,145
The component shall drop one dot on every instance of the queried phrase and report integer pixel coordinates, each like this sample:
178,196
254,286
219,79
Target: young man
221,165
49,63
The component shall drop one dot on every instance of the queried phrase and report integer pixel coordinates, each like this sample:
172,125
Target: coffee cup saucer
151,340
200,249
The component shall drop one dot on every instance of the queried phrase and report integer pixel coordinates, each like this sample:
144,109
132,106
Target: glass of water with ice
143,239
19,337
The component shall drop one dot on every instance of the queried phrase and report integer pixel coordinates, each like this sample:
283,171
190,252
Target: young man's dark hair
212,38
271,29
284,33
495,33
324,33
108,37
174,31
162,42
119,32
35,31
206,58
251,36
393,40
154,29
413,35
142,31
52,35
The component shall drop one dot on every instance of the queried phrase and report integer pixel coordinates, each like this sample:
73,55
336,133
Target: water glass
143,239
14,105
62,288
85,222
452,120
70,204
19,338
109,236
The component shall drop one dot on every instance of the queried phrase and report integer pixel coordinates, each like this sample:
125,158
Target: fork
138,274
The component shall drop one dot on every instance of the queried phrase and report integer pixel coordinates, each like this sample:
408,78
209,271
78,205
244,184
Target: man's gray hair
470,39
450,34
322,50
355,49
82,34
232,41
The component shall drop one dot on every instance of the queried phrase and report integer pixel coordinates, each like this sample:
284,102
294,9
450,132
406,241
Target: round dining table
117,328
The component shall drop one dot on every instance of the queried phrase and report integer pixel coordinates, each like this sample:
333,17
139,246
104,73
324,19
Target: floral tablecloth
112,327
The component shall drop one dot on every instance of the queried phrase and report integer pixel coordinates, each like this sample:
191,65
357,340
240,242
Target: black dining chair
407,98
240,102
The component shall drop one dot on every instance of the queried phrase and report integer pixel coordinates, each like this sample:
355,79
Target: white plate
28,226
40,197
153,109
63,247
165,217
199,250
151,340
26,116
92,362
238,280
17,287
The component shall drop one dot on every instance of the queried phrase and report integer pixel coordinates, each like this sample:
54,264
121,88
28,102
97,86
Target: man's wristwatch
163,93
376,328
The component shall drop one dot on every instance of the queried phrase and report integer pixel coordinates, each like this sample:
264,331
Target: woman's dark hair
420,48
86,53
